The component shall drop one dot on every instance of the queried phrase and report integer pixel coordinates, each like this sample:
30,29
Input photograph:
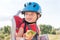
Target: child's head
32,11
31,16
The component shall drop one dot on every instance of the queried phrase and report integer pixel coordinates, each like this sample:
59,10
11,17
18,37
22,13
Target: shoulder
17,17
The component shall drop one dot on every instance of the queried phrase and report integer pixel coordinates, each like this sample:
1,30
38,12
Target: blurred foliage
47,29
5,33
57,31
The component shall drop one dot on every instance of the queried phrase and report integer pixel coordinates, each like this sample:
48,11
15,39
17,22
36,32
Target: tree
5,33
7,29
46,29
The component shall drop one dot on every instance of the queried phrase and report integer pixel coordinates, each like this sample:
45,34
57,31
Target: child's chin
29,21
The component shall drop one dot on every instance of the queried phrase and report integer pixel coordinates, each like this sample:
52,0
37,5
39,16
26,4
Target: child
32,12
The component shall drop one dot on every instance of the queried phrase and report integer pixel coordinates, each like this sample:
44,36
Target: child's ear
39,15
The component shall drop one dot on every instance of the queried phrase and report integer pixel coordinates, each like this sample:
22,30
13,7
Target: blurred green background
53,33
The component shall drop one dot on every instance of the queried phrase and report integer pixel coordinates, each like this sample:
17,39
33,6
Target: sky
50,11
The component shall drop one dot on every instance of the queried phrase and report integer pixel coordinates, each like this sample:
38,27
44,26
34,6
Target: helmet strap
37,17
28,22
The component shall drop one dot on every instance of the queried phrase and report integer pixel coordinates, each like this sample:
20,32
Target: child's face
30,16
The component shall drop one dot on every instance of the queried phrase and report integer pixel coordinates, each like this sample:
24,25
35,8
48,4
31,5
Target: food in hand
30,33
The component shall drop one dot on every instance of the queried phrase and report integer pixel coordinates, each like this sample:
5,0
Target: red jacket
19,23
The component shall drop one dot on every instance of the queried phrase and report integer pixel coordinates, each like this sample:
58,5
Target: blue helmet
32,7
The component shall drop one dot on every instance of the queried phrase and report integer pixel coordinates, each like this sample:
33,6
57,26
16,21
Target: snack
30,33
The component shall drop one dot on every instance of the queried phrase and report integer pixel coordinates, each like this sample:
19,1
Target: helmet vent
30,3
24,5
34,5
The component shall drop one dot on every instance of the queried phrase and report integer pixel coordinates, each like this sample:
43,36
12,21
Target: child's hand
29,34
28,37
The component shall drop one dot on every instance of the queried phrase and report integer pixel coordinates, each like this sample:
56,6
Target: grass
54,37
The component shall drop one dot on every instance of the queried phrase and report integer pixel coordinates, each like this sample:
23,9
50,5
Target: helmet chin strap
29,22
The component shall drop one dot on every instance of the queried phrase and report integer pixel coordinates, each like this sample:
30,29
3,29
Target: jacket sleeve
18,21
